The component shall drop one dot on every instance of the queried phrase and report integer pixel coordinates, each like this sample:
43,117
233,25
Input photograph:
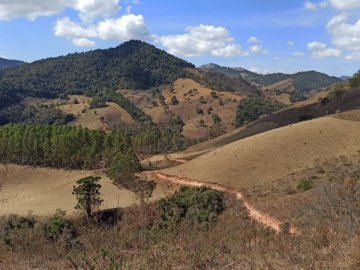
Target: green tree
88,194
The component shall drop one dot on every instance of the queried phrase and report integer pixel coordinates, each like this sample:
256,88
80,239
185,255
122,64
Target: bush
58,226
13,223
304,185
192,205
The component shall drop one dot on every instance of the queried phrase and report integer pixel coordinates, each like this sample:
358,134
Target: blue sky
260,35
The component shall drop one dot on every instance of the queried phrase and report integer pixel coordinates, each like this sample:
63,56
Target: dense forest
62,146
5,63
252,108
134,64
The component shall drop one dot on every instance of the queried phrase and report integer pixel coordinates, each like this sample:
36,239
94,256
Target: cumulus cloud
200,40
299,54
122,29
310,6
90,9
258,49
32,9
345,35
315,6
253,39
345,4
83,42
320,50
290,43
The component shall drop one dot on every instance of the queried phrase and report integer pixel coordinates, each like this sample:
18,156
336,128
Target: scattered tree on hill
174,100
87,194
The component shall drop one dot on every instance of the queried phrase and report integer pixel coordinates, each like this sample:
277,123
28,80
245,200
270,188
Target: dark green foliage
174,100
310,80
137,114
305,117
192,205
5,63
304,185
58,226
97,102
60,146
355,80
134,64
252,108
87,194
221,82
11,224
216,119
43,114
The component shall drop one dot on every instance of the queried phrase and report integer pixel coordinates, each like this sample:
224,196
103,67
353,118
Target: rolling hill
293,85
134,64
6,63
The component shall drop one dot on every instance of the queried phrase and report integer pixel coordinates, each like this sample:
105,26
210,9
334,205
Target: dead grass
43,190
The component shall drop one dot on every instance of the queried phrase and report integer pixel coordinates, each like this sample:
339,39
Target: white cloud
90,9
122,29
315,46
345,35
315,6
257,49
290,43
345,4
299,54
320,50
200,40
32,9
310,6
83,42
253,39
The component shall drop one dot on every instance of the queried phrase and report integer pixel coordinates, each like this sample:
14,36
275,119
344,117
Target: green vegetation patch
191,205
252,108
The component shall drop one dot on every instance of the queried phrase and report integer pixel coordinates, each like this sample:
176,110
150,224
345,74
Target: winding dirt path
254,214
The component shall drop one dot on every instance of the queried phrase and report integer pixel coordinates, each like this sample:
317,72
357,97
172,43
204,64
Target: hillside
6,63
134,64
43,190
293,85
195,104
270,155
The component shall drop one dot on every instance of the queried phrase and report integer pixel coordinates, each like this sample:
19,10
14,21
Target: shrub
192,205
304,185
58,226
13,223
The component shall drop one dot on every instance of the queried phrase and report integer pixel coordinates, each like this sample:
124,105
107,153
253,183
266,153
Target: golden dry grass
266,157
43,190
189,101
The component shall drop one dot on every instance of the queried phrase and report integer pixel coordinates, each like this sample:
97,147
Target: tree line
63,146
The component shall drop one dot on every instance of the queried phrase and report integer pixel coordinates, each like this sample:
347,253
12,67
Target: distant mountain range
302,82
5,63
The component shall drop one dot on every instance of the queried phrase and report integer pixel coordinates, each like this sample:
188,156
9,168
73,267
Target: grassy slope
268,156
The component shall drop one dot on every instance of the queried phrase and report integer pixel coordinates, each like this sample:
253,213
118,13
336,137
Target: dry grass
266,157
235,243
189,101
43,190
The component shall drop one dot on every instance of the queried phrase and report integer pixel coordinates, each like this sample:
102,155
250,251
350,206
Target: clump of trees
61,146
355,80
191,205
252,108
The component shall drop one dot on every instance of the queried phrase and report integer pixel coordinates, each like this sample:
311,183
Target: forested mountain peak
134,65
